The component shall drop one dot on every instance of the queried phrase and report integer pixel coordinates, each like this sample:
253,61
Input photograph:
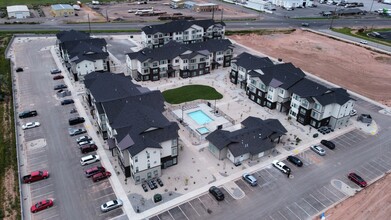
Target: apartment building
130,118
182,31
176,59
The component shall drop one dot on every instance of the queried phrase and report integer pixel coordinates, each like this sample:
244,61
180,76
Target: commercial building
18,11
62,10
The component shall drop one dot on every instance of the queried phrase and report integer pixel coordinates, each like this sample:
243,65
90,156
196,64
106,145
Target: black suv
75,121
216,192
295,160
27,114
60,86
67,102
328,144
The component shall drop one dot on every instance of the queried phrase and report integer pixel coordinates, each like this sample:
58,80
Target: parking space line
246,184
271,217
32,190
36,151
385,162
202,203
293,212
270,174
171,215
309,204
324,196
302,209
375,168
381,165
158,217
282,215
370,171
194,208
332,193
318,200
42,155
42,195
37,164
50,217
104,196
183,212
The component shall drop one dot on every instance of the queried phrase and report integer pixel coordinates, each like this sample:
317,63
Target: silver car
318,150
110,205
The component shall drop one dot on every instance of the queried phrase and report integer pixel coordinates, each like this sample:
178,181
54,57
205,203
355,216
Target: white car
110,205
281,166
363,41
83,138
86,143
317,149
89,159
31,125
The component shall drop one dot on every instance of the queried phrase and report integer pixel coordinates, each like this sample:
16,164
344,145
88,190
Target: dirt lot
350,66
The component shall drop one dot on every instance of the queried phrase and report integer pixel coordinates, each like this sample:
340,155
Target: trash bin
157,198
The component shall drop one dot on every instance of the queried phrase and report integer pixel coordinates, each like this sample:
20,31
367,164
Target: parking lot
49,146
311,195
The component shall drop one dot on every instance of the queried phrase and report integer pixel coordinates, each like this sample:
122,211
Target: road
240,25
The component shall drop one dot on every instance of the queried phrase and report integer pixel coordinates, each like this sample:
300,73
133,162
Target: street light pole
332,18
370,10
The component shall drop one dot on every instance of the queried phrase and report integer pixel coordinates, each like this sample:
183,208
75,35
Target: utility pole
222,12
89,23
370,10
213,13
107,17
332,18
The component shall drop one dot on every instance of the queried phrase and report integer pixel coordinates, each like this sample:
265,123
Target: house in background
130,118
254,140
62,10
18,11
176,59
293,3
83,54
182,31
243,64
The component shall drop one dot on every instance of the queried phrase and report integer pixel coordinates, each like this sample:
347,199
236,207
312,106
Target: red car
100,176
39,206
357,179
36,176
58,77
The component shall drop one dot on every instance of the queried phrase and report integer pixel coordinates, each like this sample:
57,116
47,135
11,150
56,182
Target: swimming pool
202,130
200,117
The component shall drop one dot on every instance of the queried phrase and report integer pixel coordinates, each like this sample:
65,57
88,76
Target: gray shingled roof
307,88
254,138
252,62
72,35
334,95
173,49
178,26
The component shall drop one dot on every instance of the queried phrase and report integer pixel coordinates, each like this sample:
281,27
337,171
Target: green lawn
191,93
5,3
363,34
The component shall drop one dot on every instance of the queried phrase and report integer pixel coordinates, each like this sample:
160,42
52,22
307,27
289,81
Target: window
193,60
147,155
253,82
136,169
155,64
149,165
317,106
302,111
163,62
184,61
174,151
202,59
136,159
281,91
177,61
304,102
146,71
271,89
314,114
174,142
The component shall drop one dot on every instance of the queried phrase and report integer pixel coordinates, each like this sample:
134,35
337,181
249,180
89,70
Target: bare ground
350,66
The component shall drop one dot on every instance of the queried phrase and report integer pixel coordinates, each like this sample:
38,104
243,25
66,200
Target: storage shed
18,11
62,10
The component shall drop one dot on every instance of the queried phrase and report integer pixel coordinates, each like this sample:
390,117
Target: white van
89,159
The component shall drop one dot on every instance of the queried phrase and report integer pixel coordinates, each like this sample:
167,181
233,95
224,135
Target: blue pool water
203,130
200,117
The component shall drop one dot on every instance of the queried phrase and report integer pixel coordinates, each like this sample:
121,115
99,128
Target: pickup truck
36,176
281,166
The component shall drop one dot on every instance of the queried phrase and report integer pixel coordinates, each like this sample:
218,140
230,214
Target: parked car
89,159
94,170
60,86
30,125
357,179
305,24
28,113
88,148
353,112
160,182
19,69
151,185
110,205
39,206
83,138
58,77
55,71
363,42
35,176
76,131
154,183
250,179
145,188
83,143
216,192
101,176
365,118
281,166
67,101
328,144
295,160
317,149
76,120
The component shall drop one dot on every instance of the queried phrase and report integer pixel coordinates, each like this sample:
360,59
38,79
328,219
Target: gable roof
252,62
178,26
282,75
334,95
254,138
307,88
173,49
72,35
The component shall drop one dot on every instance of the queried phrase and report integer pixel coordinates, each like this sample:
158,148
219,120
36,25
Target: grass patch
260,32
191,93
7,135
363,34
5,3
